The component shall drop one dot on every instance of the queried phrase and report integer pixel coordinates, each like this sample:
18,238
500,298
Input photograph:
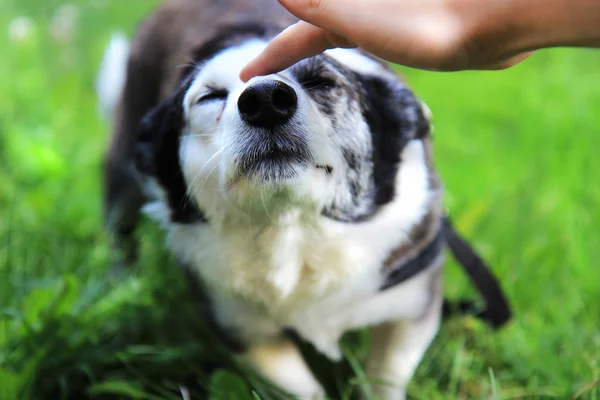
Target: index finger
297,42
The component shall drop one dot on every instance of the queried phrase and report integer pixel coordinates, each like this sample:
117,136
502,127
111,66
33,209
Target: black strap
497,311
412,267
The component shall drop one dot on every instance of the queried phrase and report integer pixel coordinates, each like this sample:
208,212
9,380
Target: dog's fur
294,226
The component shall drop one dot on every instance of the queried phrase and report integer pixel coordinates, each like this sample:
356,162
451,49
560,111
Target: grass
516,150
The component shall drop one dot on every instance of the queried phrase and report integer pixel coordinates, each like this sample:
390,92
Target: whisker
200,135
308,84
191,188
218,152
209,173
262,198
186,65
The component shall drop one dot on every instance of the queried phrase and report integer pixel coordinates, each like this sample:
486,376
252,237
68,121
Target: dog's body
292,198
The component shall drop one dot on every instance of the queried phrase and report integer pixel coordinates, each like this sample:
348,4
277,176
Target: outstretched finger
299,41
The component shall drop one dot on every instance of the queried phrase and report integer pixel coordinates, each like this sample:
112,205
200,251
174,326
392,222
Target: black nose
268,104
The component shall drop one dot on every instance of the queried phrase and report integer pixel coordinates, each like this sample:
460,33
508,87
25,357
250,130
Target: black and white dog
305,200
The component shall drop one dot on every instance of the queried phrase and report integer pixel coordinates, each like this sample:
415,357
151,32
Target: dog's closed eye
313,76
317,83
211,95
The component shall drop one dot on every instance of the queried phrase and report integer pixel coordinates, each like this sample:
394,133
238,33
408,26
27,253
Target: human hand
443,35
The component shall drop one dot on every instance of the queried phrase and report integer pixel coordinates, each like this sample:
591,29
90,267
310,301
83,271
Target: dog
302,201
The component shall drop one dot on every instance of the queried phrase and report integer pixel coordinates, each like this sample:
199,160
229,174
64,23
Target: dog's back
162,48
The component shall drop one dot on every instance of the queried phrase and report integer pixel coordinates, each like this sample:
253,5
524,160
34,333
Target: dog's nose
268,104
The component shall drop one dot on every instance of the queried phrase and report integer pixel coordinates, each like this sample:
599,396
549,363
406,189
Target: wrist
554,23
493,30
504,28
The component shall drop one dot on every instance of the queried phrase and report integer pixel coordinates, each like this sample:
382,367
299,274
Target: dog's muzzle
268,104
273,146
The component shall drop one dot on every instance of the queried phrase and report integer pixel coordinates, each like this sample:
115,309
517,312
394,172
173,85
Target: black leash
497,310
413,266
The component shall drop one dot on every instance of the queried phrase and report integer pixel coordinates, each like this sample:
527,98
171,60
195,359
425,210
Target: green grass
517,151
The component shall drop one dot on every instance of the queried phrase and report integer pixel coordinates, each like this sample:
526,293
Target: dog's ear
157,155
158,131
395,117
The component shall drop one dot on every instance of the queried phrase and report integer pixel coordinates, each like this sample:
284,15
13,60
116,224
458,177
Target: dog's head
327,133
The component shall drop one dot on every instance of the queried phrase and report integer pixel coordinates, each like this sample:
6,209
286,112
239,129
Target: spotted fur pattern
290,227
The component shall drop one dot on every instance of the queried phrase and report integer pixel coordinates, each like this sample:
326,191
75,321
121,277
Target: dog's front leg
397,349
281,362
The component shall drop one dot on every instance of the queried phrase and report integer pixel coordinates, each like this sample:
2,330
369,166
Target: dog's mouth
273,165
272,156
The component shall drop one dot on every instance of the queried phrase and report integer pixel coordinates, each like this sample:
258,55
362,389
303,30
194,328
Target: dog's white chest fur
310,273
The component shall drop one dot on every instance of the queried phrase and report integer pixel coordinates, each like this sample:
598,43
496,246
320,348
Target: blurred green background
517,152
